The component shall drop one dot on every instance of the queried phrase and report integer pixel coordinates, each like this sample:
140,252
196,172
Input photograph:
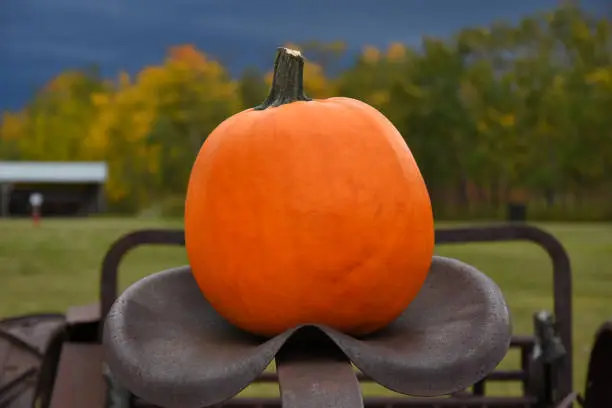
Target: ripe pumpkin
307,211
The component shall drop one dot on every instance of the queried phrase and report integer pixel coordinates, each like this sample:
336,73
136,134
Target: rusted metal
562,279
48,369
74,362
79,382
12,392
83,314
164,341
23,340
499,375
114,256
385,402
33,330
562,308
13,340
311,368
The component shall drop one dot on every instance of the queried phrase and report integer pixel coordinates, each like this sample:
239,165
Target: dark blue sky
40,38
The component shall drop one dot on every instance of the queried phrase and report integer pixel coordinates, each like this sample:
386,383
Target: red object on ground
36,216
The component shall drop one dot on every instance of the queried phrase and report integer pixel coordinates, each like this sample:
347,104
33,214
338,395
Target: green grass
57,265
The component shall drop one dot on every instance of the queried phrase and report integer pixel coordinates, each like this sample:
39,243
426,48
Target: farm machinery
58,360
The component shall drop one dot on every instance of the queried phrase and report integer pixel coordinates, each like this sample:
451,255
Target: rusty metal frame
562,289
562,279
114,256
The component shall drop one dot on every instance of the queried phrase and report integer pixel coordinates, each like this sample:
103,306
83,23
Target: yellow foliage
413,90
580,30
59,119
124,80
12,126
468,94
119,131
317,83
482,127
600,76
543,127
187,54
558,84
185,81
62,82
507,121
99,99
379,98
396,52
370,55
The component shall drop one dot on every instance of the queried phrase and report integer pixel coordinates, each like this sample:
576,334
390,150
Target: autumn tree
12,130
152,127
55,124
506,112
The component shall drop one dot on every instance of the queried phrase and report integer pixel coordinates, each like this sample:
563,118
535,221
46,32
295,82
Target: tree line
508,113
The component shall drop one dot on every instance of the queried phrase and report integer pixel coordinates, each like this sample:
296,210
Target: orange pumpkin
307,211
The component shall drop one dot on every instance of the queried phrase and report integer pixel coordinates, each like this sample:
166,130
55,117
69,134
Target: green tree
252,87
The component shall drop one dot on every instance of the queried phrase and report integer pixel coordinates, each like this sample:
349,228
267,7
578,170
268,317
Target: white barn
68,188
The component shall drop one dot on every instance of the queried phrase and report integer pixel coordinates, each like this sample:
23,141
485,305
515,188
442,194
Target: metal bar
386,402
499,375
7,191
110,264
24,319
16,341
83,314
7,391
562,279
4,200
522,341
479,388
526,353
314,372
79,382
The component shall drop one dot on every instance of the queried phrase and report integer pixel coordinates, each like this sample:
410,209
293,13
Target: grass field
57,265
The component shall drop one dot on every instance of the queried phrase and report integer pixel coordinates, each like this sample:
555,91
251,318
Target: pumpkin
303,211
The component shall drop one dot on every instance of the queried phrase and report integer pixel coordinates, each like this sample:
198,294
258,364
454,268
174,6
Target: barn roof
52,172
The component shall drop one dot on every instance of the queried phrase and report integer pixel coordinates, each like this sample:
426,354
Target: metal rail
292,365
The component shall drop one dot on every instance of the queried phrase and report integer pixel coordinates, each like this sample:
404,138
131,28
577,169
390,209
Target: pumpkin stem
288,80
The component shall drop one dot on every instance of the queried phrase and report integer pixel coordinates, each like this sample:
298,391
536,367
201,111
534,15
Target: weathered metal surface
561,274
117,396
314,372
79,382
114,256
23,340
562,309
386,402
548,351
48,369
498,375
167,344
83,314
34,329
